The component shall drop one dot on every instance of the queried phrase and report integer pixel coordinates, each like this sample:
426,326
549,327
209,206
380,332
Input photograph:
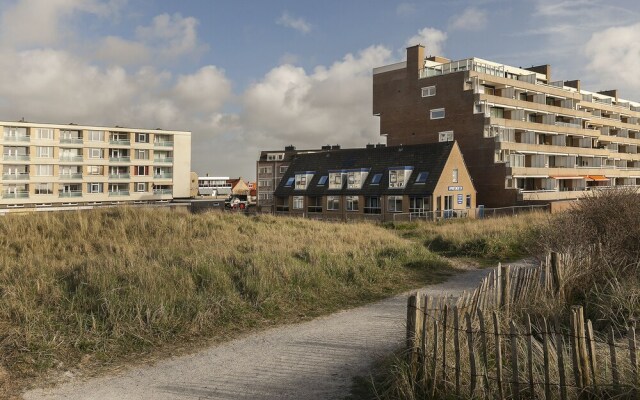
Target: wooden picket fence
468,347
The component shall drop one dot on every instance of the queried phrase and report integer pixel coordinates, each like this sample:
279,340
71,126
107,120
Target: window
142,138
298,202
372,205
419,205
264,170
336,180
497,112
376,179
141,187
323,180
454,178
94,187
142,154
95,170
398,177
437,113
95,153
290,182
95,136
352,203
44,152
446,136
44,170
302,180
141,170
394,204
283,168
333,203
428,91
44,188
44,133
264,183
275,156
422,177
356,178
468,201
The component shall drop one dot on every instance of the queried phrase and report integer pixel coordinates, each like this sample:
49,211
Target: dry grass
101,287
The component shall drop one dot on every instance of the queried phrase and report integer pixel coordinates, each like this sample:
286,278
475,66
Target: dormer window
323,180
336,179
355,178
289,182
302,179
376,179
398,177
422,177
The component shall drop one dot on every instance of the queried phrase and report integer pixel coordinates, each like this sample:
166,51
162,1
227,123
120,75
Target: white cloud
614,57
123,52
289,21
171,35
471,19
432,39
205,90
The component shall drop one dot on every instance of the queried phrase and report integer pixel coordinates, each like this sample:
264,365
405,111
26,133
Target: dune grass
98,288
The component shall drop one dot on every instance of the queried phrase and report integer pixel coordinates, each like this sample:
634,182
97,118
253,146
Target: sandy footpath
310,360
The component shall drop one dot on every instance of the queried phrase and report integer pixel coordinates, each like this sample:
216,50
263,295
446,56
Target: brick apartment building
377,183
525,138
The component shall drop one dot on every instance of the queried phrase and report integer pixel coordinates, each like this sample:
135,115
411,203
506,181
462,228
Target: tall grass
503,238
102,286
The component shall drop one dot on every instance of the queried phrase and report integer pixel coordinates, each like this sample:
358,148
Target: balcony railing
314,209
71,140
22,194
16,157
163,143
165,175
118,193
162,191
18,176
121,142
71,158
17,138
119,176
163,160
120,159
75,175
71,193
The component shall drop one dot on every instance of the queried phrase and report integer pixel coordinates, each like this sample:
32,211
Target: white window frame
428,91
350,201
264,182
264,170
41,153
92,138
454,175
141,187
48,136
330,201
93,151
94,187
142,137
95,170
47,188
395,199
283,168
143,168
44,170
144,152
298,202
445,136
434,112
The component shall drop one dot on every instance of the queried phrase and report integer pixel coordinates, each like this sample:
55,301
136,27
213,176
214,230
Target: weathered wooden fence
469,347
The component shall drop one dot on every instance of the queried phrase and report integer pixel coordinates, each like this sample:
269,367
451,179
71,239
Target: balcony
118,193
163,143
21,194
119,176
71,140
120,159
166,175
16,157
75,158
163,160
162,191
120,142
15,177
17,138
71,193
76,175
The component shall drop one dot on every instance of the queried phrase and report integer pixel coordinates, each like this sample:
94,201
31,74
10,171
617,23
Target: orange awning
598,178
567,177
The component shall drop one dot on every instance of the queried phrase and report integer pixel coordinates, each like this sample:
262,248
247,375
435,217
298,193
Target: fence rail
470,346
471,212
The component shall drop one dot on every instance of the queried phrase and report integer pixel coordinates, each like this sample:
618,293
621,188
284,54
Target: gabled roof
429,158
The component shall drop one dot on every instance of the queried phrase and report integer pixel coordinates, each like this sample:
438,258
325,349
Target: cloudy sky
250,75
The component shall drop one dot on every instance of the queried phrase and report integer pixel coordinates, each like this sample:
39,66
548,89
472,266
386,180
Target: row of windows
267,170
92,136
373,204
47,152
47,188
47,170
398,179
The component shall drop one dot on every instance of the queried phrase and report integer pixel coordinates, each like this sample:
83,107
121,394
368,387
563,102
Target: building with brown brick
377,183
525,138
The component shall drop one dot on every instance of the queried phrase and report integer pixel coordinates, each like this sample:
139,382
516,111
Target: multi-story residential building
47,165
270,168
525,137
377,183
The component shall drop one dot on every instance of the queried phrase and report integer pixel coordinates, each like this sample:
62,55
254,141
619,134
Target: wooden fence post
561,371
530,356
444,345
582,347
483,340
575,350
615,375
456,346
592,355
498,285
412,303
635,379
545,349
515,374
496,329
472,357
428,304
434,363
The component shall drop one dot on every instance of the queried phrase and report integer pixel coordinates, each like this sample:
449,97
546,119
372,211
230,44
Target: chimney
415,59
611,93
335,147
574,84
544,69
371,146
290,148
326,147
380,145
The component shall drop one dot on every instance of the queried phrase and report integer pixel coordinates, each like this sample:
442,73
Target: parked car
237,202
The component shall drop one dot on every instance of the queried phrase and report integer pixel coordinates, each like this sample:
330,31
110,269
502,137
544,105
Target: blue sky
250,75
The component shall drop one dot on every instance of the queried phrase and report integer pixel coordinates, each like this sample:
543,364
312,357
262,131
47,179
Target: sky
252,75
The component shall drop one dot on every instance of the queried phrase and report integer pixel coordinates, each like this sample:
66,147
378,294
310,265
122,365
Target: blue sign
459,199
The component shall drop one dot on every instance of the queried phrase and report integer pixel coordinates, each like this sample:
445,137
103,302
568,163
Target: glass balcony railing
163,160
22,194
16,157
71,193
164,175
18,176
118,193
120,159
17,138
76,175
162,191
121,142
71,158
163,143
71,140
119,176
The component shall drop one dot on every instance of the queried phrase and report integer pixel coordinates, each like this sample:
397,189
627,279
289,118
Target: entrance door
448,206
